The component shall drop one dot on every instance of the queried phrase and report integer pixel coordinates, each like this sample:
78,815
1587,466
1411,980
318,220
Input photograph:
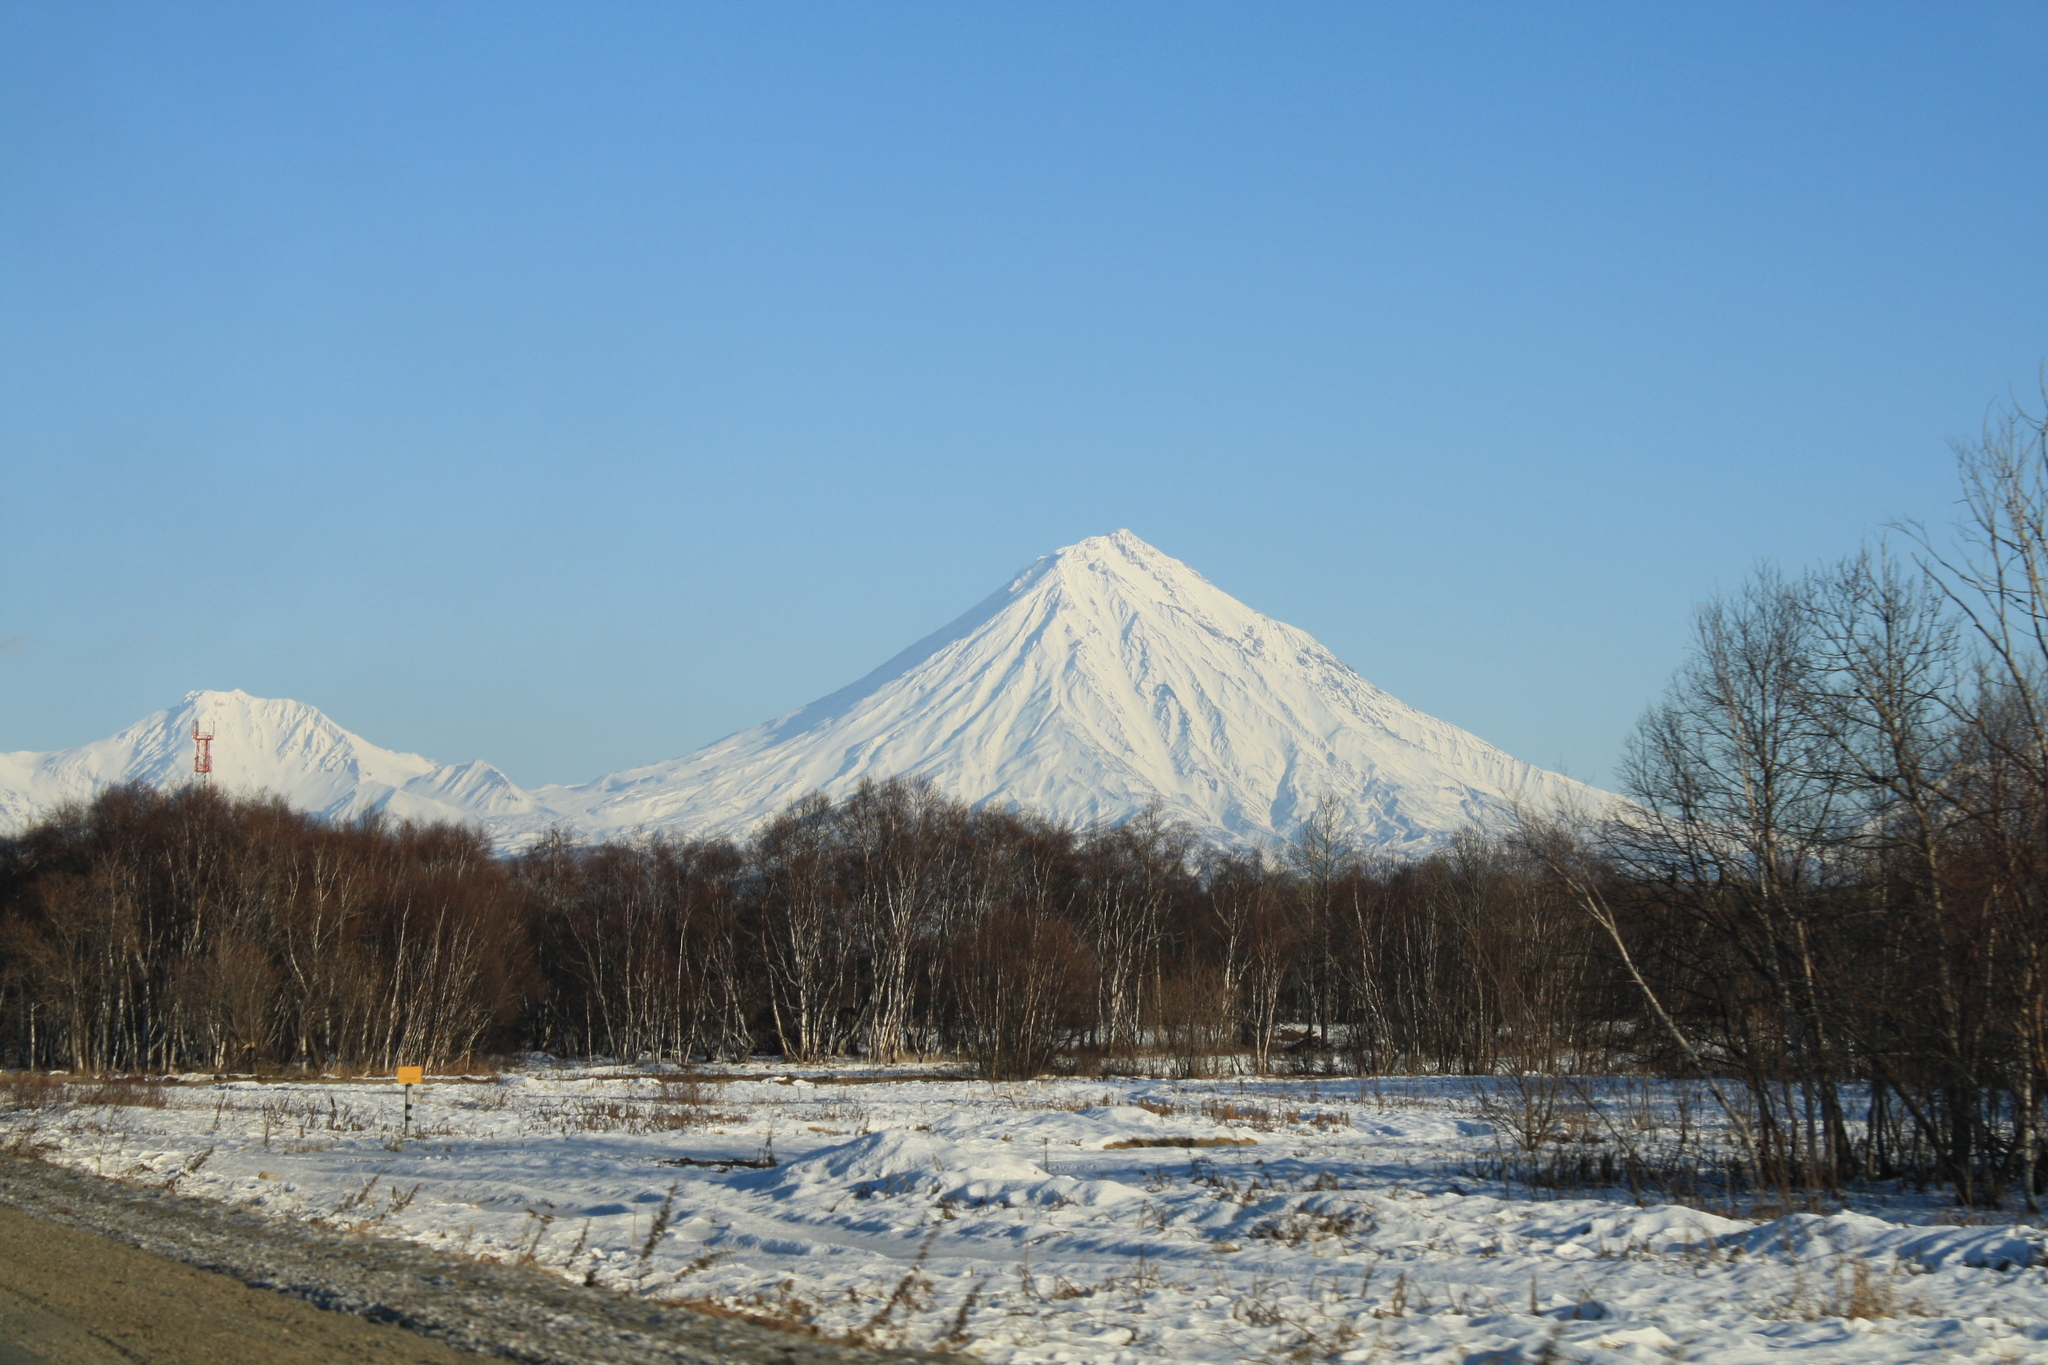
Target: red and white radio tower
202,751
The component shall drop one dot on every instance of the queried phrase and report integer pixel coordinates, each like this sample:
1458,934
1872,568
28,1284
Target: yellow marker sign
411,1075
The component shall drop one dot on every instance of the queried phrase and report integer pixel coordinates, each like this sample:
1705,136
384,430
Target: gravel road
96,1271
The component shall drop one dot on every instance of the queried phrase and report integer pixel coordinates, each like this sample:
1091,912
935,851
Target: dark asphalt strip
517,1313
75,1298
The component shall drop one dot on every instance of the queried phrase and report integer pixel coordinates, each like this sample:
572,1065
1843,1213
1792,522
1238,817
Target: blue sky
570,385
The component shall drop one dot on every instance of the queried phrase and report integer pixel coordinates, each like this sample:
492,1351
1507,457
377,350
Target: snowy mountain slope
262,745
1102,678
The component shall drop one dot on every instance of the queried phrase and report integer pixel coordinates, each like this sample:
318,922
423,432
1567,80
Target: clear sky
570,385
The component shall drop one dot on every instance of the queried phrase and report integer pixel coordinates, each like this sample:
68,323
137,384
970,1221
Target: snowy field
1084,1221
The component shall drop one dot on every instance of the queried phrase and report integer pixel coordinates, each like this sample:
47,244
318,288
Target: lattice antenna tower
202,751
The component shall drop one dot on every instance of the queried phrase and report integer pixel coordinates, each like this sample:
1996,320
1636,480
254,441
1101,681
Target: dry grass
790,1078
30,1090
27,1140
1857,1290
37,1090
658,1229
902,1312
288,1113
778,1306
1263,1119
275,1074
594,1115
1259,1118
1299,1226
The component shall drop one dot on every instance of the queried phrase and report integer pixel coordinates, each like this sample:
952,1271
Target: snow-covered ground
1072,1220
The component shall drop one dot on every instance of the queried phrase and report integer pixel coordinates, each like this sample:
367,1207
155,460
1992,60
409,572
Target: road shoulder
447,1303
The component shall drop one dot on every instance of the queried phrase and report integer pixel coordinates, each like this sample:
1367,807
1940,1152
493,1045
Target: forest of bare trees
193,930
1827,900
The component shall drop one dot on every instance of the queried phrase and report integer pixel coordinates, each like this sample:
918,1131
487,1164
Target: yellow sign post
409,1076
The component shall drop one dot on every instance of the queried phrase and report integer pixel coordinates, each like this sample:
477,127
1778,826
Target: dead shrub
1535,1109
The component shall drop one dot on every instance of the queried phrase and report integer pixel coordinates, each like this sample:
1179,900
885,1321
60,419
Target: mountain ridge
1102,679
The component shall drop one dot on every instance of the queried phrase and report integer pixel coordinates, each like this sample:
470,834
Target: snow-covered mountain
262,745
1102,679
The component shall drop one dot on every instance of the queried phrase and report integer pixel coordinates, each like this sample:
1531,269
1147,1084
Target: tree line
1826,899
191,929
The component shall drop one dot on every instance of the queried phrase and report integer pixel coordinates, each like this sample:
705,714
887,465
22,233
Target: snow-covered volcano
1102,679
